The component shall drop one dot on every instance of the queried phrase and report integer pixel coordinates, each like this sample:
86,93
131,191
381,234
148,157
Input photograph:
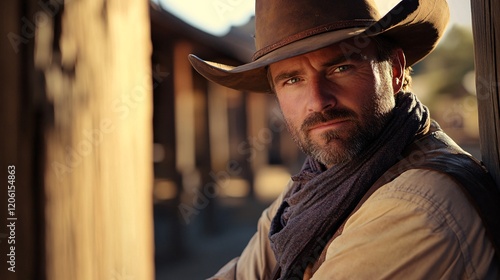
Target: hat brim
414,27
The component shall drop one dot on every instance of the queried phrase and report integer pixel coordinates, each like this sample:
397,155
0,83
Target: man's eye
341,68
292,81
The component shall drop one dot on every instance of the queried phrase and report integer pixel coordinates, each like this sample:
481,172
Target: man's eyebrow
342,58
284,75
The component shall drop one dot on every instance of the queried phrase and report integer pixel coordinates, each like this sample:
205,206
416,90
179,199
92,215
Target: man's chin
331,153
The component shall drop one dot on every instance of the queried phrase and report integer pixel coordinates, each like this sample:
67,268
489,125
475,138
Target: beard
340,146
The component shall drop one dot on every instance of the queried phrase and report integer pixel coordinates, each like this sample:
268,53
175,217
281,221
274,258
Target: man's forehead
349,49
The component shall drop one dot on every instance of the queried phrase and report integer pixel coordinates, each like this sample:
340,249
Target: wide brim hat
287,28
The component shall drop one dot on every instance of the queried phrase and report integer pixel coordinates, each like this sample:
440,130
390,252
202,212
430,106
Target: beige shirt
419,226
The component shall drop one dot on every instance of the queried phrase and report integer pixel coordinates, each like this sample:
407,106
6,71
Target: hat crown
279,22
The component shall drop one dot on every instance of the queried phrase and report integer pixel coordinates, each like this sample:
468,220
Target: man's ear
398,70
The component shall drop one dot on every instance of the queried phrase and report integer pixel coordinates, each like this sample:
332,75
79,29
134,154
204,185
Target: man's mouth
329,125
330,119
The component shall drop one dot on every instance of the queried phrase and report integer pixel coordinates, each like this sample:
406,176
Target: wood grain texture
98,175
487,63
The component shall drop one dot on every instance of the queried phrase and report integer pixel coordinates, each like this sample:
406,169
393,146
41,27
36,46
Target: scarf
320,200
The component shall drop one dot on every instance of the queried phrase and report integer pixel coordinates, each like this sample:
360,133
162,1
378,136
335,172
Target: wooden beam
96,59
487,62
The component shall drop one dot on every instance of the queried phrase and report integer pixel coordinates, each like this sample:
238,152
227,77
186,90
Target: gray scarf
321,200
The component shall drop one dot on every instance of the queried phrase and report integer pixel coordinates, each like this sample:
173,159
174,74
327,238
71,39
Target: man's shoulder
419,213
435,196
428,193
423,184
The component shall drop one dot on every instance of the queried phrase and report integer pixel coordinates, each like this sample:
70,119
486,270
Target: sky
217,16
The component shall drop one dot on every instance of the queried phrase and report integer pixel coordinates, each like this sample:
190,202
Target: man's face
335,105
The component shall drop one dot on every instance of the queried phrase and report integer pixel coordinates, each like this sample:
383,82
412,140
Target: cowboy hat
288,28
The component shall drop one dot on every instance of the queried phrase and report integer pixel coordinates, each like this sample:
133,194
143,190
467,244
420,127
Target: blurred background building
220,156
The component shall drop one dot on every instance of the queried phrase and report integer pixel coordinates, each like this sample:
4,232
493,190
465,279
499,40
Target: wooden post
203,155
95,56
487,62
169,235
21,197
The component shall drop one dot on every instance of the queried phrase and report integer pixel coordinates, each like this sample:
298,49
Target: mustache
324,116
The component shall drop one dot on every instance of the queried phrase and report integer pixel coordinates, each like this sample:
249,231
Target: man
384,193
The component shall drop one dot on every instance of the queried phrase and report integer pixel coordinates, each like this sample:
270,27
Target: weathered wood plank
98,175
487,62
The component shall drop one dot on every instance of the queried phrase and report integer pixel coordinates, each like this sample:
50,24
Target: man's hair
385,49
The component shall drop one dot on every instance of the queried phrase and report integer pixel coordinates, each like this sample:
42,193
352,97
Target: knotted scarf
321,200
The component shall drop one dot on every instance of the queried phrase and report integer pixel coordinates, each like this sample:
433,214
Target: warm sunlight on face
334,105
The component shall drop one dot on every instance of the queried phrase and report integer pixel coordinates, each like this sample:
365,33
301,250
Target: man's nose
321,95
